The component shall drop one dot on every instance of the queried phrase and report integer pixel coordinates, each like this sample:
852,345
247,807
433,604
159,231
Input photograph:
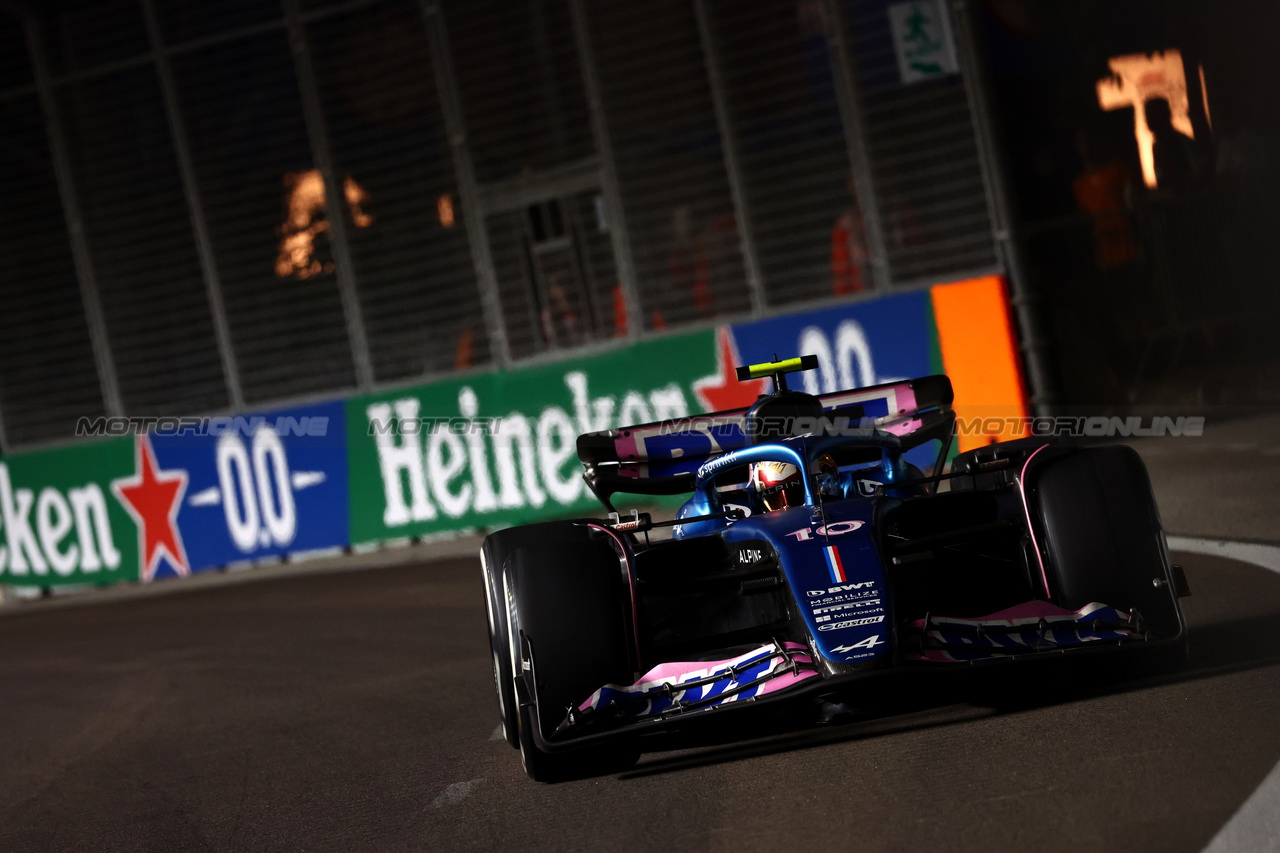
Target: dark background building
1187,313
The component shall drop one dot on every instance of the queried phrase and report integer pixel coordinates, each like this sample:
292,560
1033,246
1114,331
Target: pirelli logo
833,612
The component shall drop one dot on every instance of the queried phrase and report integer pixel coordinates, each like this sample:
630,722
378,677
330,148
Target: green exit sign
922,40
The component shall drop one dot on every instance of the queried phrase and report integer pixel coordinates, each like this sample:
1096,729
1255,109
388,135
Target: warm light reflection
444,207
1204,97
356,195
1139,78
305,219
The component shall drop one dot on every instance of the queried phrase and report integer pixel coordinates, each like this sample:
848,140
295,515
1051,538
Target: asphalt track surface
355,711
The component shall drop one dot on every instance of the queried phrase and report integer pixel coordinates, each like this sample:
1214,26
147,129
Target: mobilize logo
831,610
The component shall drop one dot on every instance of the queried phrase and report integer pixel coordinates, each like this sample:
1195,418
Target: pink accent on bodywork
1030,612
1027,615
629,444
675,672
782,682
1026,508
905,427
905,398
631,583
626,447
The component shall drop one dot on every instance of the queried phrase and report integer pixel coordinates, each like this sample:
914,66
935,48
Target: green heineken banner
61,517
500,448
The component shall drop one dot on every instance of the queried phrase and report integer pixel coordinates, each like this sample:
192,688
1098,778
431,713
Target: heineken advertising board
475,452
139,507
62,519
500,448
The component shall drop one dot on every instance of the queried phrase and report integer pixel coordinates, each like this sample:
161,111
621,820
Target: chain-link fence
218,203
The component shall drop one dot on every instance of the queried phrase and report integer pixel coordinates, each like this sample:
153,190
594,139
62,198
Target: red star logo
723,391
153,497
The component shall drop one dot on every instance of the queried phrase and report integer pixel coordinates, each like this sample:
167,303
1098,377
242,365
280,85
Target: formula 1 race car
816,551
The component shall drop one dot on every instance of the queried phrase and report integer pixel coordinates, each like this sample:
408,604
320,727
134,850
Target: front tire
570,613
499,644
495,553
1104,541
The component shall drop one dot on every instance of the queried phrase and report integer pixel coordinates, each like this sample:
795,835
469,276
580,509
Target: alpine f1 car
815,551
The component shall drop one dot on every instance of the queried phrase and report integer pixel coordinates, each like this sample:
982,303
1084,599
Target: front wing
683,689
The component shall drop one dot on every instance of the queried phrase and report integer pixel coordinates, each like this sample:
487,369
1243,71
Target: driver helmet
778,484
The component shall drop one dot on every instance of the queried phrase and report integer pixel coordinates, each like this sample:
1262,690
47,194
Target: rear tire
571,608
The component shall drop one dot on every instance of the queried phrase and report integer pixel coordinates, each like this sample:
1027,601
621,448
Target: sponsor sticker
847,606
844,587
852,623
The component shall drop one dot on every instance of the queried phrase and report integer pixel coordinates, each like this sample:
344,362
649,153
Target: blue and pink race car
824,541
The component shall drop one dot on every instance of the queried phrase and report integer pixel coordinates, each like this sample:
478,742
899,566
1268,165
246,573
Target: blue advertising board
865,343
874,342
260,485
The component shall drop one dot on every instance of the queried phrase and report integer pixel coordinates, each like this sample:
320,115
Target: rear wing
662,458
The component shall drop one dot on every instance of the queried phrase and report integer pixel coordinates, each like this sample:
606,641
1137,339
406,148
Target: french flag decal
834,564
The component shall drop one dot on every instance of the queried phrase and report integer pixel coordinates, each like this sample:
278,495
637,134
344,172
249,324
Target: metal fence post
468,190
191,189
313,115
89,295
729,143
4,441
1001,206
856,140
618,233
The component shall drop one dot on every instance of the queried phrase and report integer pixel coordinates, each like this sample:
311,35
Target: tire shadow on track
1231,629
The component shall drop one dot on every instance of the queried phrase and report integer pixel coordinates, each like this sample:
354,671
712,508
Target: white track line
1267,556
1256,825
